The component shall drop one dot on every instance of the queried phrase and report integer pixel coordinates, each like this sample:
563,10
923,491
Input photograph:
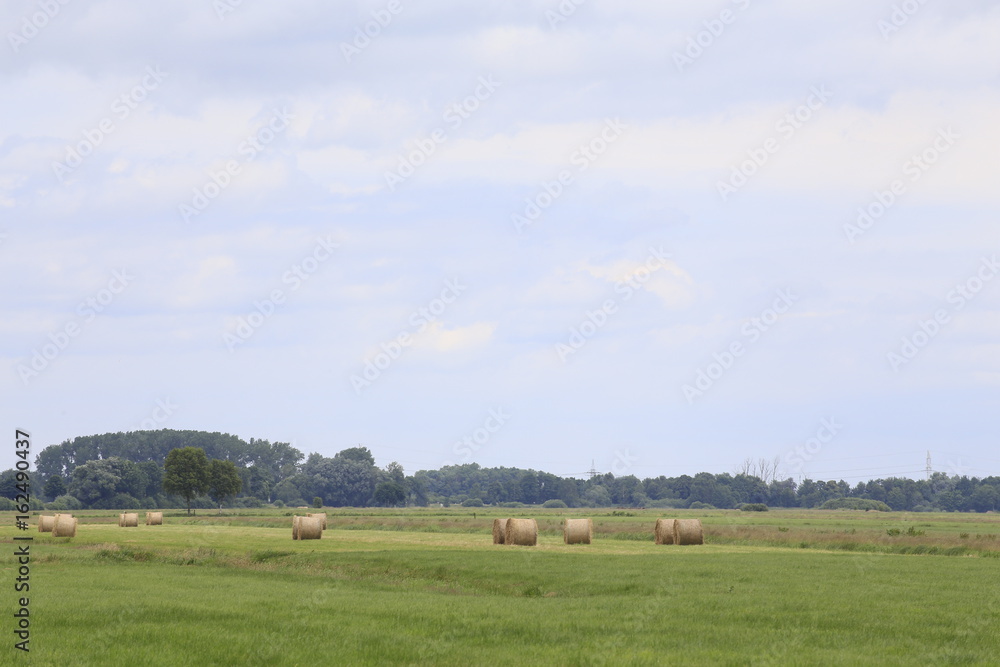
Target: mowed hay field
428,586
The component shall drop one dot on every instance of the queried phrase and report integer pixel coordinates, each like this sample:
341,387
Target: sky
630,236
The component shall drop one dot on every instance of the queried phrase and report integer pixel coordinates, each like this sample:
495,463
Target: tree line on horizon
127,471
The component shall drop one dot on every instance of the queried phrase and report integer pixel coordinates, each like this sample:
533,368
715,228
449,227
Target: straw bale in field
578,531
688,531
310,528
154,518
522,532
499,530
45,524
664,531
64,526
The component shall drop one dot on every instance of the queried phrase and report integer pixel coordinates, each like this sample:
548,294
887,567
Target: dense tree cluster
455,484
127,470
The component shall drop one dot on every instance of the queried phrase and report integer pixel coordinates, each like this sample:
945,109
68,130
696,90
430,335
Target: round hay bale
688,531
664,531
45,524
499,530
130,519
578,531
522,532
121,520
310,528
154,518
64,526
295,527
321,516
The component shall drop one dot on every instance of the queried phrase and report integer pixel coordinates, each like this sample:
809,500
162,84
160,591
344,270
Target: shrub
512,505
318,502
696,505
472,502
6,504
669,503
248,501
66,502
278,503
555,503
855,504
753,507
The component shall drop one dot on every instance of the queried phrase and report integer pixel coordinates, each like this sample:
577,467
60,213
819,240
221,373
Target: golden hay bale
154,518
578,531
499,530
523,532
688,531
64,526
45,524
130,520
664,531
319,515
295,527
310,528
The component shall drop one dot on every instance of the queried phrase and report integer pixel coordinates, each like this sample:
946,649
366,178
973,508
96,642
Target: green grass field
427,586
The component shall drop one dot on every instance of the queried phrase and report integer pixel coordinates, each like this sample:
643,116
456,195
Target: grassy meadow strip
238,590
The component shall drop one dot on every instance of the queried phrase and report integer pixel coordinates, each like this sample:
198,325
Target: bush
669,503
119,501
278,503
472,502
247,501
855,504
65,503
696,505
512,505
555,503
317,503
753,507
6,504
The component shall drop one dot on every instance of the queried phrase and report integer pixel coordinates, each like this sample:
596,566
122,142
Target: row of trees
143,470
724,491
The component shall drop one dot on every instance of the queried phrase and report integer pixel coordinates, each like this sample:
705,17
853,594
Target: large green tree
223,481
185,473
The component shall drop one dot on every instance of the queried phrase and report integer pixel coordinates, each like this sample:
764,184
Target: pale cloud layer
222,208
